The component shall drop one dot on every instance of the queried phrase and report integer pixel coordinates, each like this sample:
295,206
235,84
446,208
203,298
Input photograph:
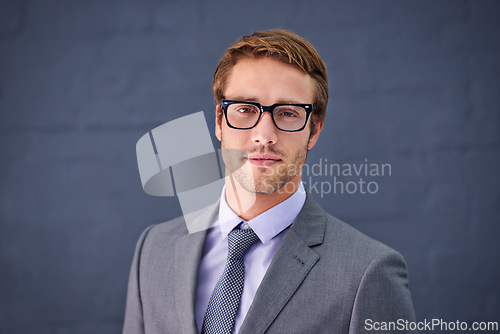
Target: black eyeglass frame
224,104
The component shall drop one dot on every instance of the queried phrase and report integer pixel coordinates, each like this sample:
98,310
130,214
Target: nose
265,132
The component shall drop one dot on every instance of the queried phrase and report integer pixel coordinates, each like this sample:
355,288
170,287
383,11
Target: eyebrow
242,98
253,99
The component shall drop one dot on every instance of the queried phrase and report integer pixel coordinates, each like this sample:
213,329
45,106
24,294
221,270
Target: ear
314,137
218,122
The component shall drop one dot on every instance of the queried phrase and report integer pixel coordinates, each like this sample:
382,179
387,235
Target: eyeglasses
244,115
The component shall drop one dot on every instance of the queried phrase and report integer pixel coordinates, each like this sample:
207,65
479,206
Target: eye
287,113
245,109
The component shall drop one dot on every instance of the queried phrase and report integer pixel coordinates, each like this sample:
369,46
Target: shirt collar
269,223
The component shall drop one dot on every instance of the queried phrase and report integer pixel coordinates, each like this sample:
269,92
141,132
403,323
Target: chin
260,184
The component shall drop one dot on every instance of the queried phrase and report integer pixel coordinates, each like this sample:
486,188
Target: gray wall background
414,84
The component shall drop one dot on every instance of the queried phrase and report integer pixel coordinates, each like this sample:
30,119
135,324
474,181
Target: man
298,269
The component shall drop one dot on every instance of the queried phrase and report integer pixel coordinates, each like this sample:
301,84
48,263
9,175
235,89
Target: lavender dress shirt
270,227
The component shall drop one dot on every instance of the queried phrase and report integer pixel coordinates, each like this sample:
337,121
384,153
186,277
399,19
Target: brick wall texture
414,84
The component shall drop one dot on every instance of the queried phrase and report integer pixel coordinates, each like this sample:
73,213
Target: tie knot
240,241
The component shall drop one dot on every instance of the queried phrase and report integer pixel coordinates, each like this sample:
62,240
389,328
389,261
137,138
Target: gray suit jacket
326,277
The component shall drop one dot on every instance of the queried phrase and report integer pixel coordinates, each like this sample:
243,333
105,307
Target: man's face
264,159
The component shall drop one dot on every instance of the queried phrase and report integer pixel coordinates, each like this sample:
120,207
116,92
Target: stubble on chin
262,180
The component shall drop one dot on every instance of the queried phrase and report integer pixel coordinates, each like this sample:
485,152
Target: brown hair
281,45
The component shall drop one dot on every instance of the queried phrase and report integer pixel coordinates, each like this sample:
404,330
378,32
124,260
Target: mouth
263,160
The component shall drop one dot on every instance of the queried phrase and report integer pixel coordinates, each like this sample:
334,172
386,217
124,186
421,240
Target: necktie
225,299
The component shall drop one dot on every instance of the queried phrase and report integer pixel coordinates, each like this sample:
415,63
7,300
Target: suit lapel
188,252
288,269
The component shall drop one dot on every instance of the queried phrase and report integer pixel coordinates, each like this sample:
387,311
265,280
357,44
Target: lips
263,160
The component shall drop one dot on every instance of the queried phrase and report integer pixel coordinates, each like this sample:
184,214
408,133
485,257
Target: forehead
267,80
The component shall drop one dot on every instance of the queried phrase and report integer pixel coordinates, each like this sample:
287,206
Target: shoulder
160,237
358,244
164,235
376,273
367,259
174,227
342,243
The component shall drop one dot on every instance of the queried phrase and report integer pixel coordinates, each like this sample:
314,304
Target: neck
249,205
